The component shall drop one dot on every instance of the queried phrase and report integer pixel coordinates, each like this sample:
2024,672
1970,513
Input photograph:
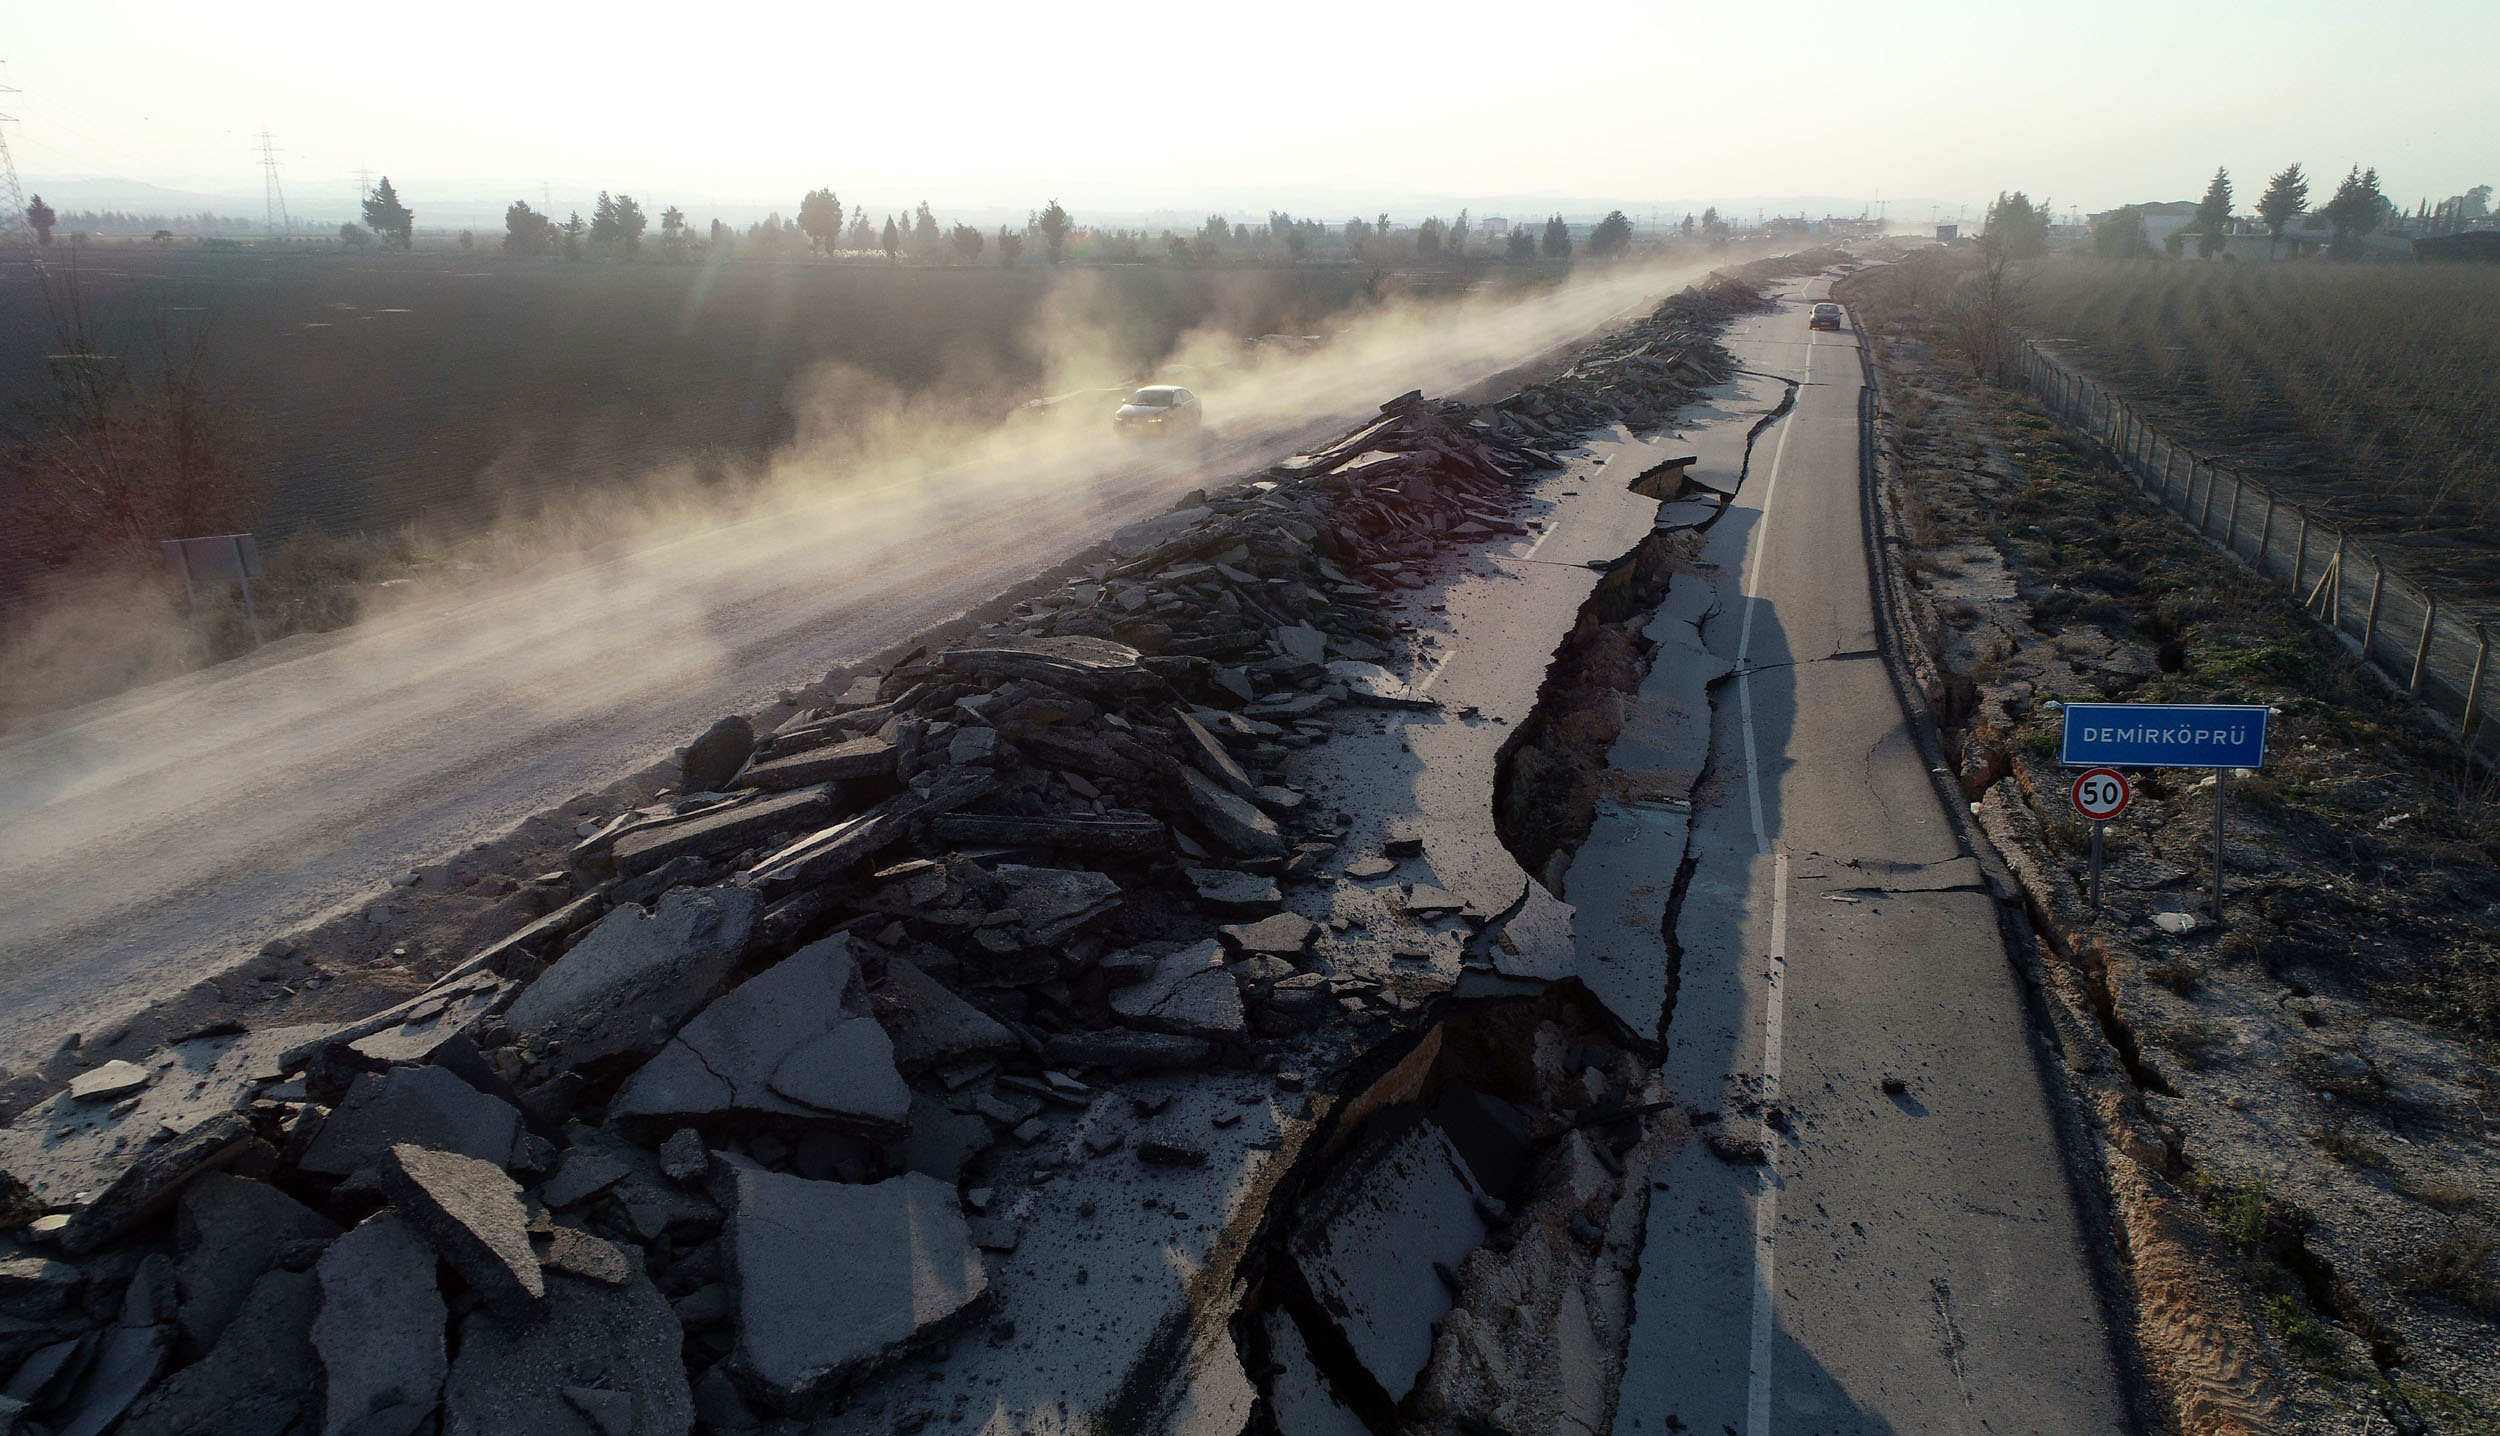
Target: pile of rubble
713,1137
1639,376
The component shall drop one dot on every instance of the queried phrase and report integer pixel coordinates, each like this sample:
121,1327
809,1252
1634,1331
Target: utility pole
273,197
364,184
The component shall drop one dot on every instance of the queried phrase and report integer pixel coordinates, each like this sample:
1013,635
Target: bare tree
1980,313
135,444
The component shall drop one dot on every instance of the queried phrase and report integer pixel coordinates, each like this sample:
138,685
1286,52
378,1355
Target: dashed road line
1774,1008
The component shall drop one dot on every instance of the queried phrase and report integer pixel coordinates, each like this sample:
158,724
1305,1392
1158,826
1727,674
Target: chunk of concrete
62,1147
1301,640
1146,535
258,1378
714,758
1371,684
796,1041
651,1202
1235,894
812,1311
231,1231
425,1027
1232,820
850,761
683,1157
578,1253
583,1173
130,1354
1284,934
930,1026
1190,993
1212,758
636,977
113,1079
154,1180
1366,1244
1052,903
512,1373
471,1214
424,1106
379,1332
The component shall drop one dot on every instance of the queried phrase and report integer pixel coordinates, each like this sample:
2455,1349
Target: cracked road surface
1906,1260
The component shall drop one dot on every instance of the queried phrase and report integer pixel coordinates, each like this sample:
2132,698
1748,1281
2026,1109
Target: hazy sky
1296,105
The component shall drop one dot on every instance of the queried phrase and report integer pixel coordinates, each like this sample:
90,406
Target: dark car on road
1158,411
1826,316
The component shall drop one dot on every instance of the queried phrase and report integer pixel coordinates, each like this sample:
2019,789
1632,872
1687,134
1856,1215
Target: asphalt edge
2057,1031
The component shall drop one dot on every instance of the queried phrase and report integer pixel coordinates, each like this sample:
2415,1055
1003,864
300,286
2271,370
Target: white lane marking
1744,635
1775,999
1766,1206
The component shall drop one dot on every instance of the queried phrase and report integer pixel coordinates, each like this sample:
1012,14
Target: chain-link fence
2434,649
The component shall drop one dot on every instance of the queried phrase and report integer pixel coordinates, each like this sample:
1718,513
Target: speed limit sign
2101,794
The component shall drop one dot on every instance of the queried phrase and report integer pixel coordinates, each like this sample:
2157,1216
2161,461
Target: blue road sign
2164,735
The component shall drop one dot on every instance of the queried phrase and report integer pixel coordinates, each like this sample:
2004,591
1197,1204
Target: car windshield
1152,399
1827,309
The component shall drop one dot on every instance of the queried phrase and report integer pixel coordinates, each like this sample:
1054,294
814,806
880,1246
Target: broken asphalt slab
628,985
813,1312
795,1041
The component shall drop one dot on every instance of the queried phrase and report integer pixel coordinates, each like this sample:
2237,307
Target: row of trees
2357,208
825,226
618,222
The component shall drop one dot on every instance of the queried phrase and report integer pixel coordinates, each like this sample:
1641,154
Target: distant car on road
1159,411
1826,316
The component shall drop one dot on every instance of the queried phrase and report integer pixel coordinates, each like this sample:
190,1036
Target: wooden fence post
2422,648
2335,593
2474,685
2205,515
2378,581
2300,551
2265,535
2231,520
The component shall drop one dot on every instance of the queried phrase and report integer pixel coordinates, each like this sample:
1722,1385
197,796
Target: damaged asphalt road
1906,1254
1139,1014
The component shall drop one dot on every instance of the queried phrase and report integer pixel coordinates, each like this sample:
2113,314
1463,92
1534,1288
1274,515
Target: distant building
2164,220
2476,244
2261,246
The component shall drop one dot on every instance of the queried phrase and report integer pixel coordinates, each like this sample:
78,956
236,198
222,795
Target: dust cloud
627,618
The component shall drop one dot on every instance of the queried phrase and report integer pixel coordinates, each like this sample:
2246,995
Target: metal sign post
2219,736
2221,776
2100,795
224,558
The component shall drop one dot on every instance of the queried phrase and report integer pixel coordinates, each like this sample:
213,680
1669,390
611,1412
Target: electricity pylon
273,198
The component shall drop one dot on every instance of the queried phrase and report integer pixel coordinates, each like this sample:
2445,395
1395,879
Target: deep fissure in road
1533,1217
